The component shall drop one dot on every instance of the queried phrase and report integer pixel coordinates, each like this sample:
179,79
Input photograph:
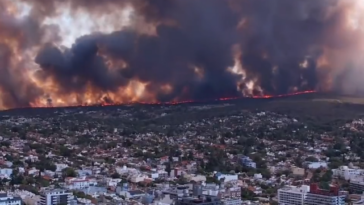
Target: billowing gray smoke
274,38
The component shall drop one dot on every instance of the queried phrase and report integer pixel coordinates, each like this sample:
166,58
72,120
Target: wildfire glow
66,24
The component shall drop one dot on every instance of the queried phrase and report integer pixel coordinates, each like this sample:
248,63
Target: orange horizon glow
104,104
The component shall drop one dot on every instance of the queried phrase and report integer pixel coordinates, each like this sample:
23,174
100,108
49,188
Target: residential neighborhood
148,155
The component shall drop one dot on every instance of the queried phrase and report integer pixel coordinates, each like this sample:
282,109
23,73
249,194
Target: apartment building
356,187
292,195
347,173
318,196
56,197
9,200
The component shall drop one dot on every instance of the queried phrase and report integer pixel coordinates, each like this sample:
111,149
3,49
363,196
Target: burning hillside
77,52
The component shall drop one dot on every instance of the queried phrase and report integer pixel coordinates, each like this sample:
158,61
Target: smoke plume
84,51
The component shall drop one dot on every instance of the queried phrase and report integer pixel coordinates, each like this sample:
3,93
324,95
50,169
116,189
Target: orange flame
103,104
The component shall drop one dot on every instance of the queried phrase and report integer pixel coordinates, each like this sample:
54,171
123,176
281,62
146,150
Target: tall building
318,196
9,200
292,195
56,197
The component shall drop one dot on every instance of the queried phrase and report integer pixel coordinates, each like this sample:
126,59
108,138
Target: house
60,167
246,161
198,178
164,159
79,183
132,194
162,174
5,172
297,171
33,171
84,172
113,182
317,165
94,191
137,178
226,177
258,176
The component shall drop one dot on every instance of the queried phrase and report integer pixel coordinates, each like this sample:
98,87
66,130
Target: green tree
69,172
311,159
64,151
5,143
327,177
115,175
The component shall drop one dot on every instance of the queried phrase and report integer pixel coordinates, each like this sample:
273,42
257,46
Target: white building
33,171
79,183
61,167
161,174
138,178
317,165
227,177
125,170
9,200
5,172
28,197
55,197
318,196
110,182
292,195
258,176
346,173
198,178
154,175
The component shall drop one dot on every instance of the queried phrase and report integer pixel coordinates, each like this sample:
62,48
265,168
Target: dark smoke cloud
19,35
286,32
277,37
202,38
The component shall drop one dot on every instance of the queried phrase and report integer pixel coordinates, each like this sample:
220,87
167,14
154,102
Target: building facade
56,197
9,200
292,195
356,187
318,196
79,183
347,173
